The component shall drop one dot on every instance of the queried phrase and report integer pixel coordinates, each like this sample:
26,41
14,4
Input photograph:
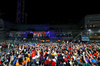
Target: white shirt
74,57
12,58
54,60
0,46
70,62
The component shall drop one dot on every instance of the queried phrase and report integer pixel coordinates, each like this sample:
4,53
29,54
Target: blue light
18,18
45,28
52,37
20,10
30,32
23,10
37,27
48,32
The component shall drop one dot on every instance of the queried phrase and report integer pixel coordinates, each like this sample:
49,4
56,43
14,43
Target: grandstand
42,32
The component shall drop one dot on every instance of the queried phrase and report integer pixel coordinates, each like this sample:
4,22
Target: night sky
47,13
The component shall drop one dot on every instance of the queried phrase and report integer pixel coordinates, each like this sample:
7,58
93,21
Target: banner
95,37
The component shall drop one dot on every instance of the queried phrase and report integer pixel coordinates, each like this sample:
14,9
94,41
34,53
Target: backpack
41,59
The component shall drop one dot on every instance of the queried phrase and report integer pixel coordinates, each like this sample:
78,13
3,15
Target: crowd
51,54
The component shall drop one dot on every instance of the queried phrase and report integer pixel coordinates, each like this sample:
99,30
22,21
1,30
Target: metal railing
78,34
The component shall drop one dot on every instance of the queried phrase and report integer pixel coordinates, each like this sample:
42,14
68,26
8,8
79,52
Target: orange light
41,40
63,41
47,40
58,40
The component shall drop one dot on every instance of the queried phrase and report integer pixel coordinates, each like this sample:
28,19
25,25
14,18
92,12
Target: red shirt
33,54
83,45
61,52
52,64
3,45
57,53
88,59
95,54
65,59
0,62
46,52
91,47
73,52
68,55
73,41
90,54
39,58
68,49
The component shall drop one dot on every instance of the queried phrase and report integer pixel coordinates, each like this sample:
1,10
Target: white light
67,41
98,30
89,29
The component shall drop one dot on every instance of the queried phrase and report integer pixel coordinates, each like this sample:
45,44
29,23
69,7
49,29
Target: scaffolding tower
20,19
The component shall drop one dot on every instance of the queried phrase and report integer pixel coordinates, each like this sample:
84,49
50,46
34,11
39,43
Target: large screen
39,34
85,38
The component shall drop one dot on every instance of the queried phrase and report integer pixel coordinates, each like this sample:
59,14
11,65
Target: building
92,21
91,31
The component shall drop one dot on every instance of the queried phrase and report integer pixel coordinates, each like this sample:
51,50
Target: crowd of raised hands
51,54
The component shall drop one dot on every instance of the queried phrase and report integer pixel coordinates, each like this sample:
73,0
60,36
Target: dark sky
48,13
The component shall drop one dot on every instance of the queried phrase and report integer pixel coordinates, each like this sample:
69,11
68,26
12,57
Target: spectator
54,54
49,61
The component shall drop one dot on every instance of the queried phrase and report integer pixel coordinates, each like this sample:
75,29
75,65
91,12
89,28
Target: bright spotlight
89,30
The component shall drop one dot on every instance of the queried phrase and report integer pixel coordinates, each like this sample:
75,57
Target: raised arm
84,57
89,55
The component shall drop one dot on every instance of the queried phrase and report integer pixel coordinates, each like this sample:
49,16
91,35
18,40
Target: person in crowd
51,54
49,61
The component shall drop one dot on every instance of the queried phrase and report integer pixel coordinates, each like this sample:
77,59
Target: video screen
39,34
85,38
